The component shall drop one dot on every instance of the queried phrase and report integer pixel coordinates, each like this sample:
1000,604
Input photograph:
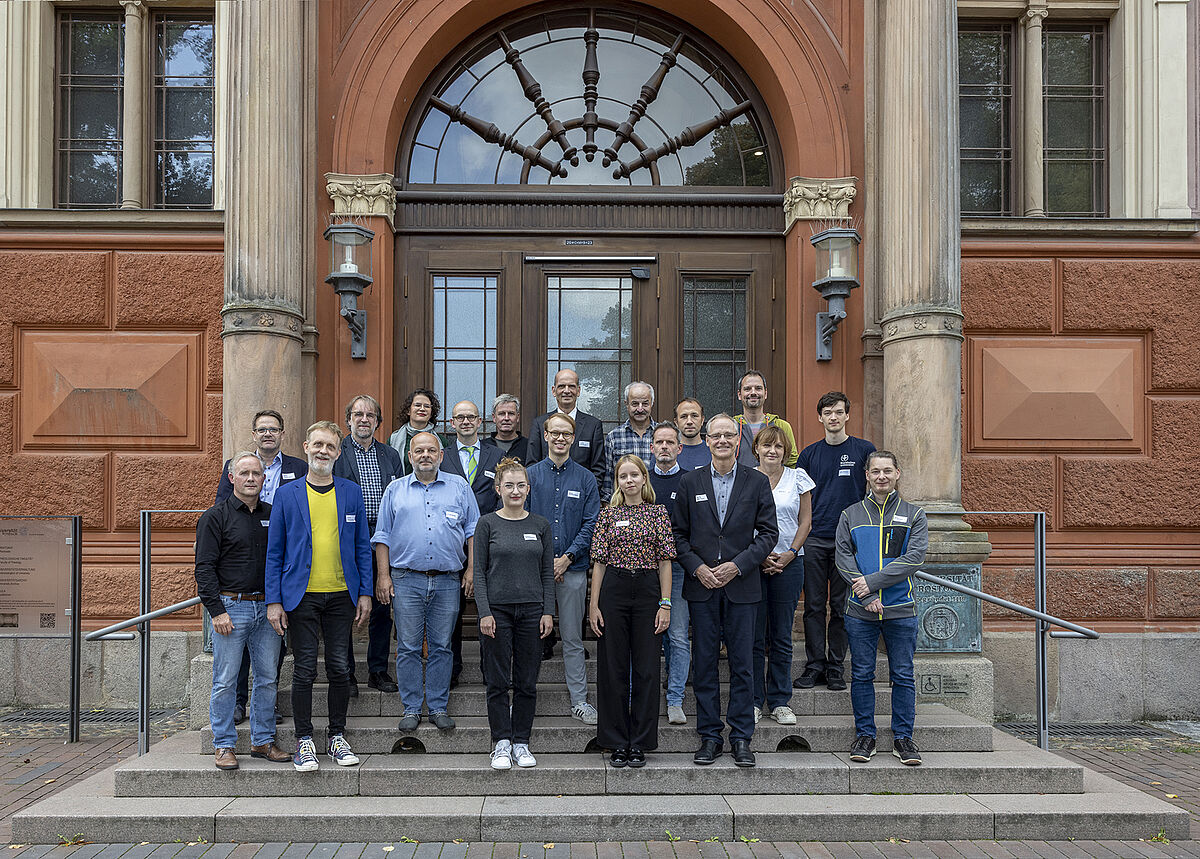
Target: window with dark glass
464,342
590,96
714,340
91,67
1073,97
985,99
183,112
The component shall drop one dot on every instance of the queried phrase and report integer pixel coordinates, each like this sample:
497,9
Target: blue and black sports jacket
884,544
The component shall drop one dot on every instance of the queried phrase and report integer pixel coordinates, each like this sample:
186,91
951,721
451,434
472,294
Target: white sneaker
675,715
784,715
585,713
523,756
502,755
757,714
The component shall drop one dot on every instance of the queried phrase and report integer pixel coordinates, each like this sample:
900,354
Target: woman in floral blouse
632,550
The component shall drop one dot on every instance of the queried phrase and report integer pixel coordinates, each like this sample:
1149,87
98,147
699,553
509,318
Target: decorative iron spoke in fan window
590,97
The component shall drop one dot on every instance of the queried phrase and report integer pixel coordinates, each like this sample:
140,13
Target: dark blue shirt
665,486
569,499
838,471
694,456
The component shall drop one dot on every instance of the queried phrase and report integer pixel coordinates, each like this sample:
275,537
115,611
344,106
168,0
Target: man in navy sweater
837,464
664,477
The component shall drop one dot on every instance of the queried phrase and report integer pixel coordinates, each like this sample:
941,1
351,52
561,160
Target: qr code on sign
47,620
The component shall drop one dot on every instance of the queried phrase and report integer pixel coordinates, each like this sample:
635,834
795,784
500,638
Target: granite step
939,728
183,773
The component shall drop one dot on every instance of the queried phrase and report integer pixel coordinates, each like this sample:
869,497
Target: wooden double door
477,316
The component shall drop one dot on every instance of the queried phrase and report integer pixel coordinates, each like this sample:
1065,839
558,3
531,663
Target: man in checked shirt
372,465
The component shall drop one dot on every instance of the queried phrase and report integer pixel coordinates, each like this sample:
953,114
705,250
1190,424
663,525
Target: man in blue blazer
319,581
372,465
725,526
475,462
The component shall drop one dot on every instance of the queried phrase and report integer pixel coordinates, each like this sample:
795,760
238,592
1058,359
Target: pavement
36,763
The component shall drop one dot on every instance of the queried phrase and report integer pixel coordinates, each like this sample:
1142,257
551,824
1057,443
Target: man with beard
634,436
689,417
318,582
752,392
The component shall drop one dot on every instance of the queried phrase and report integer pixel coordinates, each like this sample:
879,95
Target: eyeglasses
268,430
559,434
465,418
722,435
509,487
357,415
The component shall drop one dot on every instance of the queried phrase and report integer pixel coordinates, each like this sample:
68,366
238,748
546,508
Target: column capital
134,7
242,318
362,194
921,322
818,199
1034,15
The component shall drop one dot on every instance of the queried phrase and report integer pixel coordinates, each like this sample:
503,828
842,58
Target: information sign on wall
35,577
948,621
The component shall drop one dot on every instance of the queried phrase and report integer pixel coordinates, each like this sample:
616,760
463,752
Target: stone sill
1080,228
113,219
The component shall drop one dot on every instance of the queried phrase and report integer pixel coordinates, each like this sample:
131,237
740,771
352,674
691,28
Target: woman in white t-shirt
783,577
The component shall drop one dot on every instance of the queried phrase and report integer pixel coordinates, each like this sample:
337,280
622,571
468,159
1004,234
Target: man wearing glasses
476,463
372,465
279,469
565,493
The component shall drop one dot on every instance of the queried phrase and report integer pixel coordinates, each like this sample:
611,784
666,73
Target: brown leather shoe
270,752
226,759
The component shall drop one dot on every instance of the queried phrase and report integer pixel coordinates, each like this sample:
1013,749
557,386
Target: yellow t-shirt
325,576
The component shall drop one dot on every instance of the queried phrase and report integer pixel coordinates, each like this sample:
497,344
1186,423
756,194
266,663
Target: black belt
629,572
426,572
244,597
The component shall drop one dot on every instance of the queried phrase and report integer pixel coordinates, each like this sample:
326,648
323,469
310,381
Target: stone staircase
976,783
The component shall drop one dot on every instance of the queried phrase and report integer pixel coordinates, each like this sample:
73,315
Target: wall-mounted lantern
837,274
350,273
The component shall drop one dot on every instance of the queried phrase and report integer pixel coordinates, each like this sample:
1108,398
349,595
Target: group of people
675,537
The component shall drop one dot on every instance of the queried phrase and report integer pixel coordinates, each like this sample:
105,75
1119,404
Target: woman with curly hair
418,414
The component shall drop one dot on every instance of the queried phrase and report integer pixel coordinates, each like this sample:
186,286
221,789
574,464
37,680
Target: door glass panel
590,330
464,342
714,340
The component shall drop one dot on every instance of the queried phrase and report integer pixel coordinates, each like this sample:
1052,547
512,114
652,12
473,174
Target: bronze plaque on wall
35,577
949,621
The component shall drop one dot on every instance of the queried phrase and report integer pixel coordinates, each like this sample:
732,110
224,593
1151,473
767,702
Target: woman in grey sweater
514,592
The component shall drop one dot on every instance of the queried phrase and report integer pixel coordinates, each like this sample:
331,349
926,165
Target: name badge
701,497
531,536
350,517
622,524
672,496
843,472
571,493
451,514
291,475
899,518
264,522
490,474
585,443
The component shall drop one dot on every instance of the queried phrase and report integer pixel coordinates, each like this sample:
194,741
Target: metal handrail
141,618
1079,631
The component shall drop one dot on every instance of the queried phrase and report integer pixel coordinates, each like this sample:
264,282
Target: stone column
133,149
272,59
917,259
1032,177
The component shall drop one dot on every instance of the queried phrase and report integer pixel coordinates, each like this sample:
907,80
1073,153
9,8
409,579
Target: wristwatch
570,558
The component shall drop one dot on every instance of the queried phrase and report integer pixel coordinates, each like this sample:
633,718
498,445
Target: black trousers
824,647
379,634
628,651
513,658
317,617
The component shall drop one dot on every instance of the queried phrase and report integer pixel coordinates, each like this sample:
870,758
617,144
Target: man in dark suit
506,417
588,447
467,456
279,469
724,523
372,465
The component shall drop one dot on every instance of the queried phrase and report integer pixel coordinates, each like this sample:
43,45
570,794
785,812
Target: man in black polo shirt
231,553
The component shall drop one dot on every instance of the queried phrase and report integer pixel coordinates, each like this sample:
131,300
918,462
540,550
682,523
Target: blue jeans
900,638
675,643
252,631
425,608
773,633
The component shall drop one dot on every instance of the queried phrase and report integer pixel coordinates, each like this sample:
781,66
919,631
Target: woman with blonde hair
632,550
514,592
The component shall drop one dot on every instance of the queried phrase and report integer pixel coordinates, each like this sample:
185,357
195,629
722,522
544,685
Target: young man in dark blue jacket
881,542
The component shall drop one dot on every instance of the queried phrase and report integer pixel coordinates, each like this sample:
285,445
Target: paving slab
604,818
350,818
782,817
776,772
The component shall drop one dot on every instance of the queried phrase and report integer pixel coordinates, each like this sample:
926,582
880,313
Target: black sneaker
835,682
906,750
808,679
863,749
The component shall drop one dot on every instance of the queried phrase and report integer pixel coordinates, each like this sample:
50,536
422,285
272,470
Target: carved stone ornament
368,194
819,199
922,323
249,320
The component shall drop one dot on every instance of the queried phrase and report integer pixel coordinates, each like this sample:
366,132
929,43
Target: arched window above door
590,96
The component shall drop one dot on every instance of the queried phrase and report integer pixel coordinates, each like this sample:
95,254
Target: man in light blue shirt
423,544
